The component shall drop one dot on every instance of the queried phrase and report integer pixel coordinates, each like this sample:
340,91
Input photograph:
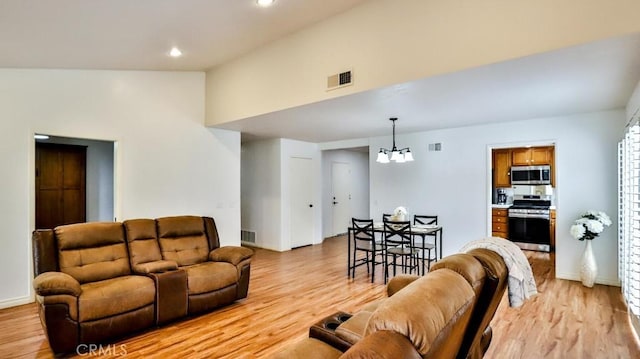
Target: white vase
589,267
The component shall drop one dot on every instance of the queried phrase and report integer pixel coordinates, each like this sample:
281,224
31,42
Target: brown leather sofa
99,281
445,314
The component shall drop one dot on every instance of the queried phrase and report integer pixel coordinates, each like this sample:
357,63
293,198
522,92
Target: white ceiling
591,77
137,34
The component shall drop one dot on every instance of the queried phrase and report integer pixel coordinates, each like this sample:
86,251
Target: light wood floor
290,291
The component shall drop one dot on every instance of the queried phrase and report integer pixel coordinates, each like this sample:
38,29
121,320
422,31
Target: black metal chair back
362,230
398,244
420,219
386,217
364,240
428,220
397,233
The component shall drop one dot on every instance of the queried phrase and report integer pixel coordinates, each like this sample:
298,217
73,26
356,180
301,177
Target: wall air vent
435,146
339,80
247,236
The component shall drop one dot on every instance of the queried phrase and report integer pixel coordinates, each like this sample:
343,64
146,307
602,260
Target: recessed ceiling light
175,52
265,3
40,137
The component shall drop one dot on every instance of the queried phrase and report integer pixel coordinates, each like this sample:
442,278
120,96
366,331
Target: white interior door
301,205
341,202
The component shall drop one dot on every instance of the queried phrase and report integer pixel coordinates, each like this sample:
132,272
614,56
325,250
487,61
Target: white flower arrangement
399,213
590,225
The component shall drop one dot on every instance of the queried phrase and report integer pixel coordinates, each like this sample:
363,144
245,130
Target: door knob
334,202
310,205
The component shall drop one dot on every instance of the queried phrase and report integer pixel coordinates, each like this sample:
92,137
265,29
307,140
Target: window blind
629,220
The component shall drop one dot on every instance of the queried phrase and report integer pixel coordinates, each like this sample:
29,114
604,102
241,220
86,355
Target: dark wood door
60,184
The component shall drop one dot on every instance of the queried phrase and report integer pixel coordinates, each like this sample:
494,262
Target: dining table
416,230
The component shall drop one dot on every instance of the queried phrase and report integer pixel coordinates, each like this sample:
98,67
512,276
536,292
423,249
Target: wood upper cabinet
531,156
502,168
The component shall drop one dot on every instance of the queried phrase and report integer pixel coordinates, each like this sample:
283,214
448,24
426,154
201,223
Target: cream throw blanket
521,284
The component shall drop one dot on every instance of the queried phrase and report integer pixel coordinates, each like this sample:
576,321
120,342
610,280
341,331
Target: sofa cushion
183,239
92,251
384,344
142,241
465,265
209,276
109,297
308,348
431,312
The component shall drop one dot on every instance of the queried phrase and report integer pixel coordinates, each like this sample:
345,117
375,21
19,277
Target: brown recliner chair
85,289
484,271
426,319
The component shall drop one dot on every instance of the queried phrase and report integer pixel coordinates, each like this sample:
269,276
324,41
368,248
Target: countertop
500,205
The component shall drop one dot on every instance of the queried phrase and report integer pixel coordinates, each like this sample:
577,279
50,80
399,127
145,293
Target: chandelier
399,156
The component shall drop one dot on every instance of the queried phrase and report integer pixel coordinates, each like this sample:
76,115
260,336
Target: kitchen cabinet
502,168
531,156
552,228
499,222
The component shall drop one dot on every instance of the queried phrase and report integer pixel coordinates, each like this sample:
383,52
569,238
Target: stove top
531,202
530,206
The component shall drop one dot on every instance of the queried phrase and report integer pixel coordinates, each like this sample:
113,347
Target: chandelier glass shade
397,155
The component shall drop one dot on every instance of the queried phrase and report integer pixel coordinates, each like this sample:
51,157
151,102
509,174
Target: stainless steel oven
529,220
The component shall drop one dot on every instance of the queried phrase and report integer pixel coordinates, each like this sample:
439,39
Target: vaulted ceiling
137,35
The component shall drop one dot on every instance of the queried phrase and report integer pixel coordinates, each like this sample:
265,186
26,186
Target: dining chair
428,220
422,219
364,241
398,243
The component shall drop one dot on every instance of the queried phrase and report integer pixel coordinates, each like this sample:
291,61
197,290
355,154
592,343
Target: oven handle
525,215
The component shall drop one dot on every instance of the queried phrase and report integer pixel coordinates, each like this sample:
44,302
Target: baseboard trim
614,282
14,302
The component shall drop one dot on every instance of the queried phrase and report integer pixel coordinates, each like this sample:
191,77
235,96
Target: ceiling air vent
339,80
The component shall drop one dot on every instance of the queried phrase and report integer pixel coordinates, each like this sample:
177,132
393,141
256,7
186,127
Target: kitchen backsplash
524,190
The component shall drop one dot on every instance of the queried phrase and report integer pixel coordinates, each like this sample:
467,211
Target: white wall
266,191
99,176
386,42
261,192
359,166
168,163
633,106
454,183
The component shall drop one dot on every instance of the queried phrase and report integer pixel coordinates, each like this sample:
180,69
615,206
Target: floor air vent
339,80
247,236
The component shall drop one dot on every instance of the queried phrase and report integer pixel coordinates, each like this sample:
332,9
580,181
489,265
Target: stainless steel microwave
533,175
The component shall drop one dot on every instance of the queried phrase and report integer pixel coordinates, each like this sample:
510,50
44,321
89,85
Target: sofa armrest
231,254
155,267
54,283
398,282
